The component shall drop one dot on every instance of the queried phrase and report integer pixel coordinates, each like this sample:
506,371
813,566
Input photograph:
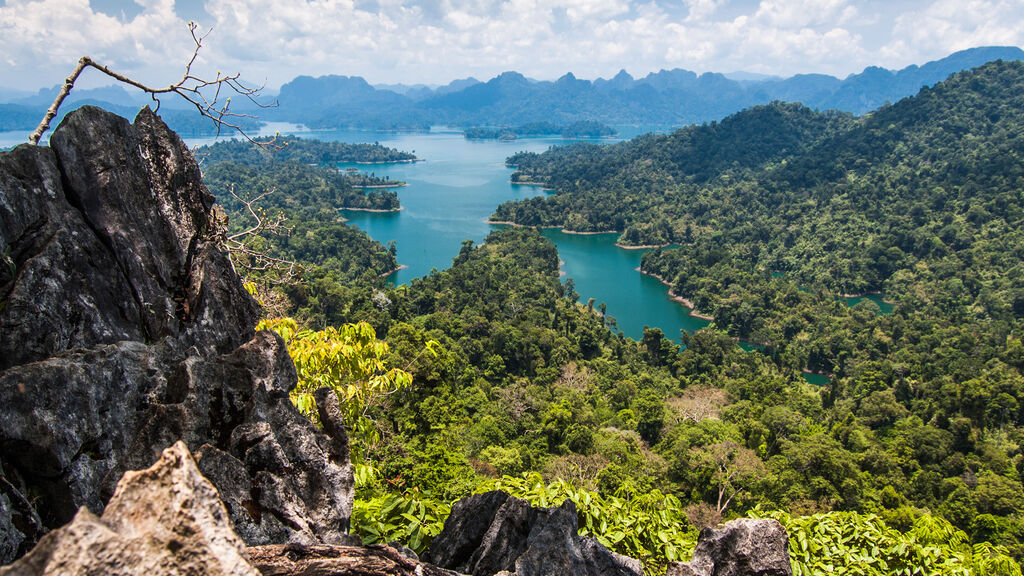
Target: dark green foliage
578,129
306,151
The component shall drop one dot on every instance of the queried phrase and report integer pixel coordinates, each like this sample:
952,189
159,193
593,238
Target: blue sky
435,42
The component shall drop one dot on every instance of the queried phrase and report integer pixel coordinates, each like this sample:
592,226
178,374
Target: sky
435,41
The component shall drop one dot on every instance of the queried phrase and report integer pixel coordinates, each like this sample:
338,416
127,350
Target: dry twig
202,93
257,259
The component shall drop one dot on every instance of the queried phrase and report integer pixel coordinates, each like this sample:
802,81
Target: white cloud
788,14
437,40
700,10
946,26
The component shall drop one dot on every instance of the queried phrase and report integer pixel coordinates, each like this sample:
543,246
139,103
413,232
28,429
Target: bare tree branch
247,257
193,89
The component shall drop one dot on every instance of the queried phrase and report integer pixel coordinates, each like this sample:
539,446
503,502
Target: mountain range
668,98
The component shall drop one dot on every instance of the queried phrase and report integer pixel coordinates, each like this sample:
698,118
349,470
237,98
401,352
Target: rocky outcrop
163,520
124,328
494,532
743,547
168,519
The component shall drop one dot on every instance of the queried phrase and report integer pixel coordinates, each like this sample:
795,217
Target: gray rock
404,551
161,521
124,328
140,190
492,533
60,287
743,547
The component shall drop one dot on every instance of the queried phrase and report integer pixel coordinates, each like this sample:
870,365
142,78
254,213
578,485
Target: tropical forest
885,436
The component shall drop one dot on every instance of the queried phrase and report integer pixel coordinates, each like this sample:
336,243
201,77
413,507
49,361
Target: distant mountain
665,98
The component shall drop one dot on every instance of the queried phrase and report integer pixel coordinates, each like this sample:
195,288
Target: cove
608,274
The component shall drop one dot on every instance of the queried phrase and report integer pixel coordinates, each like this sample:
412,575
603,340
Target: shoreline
543,187
866,294
828,375
379,186
514,225
375,162
554,226
643,246
564,231
681,300
376,210
400,267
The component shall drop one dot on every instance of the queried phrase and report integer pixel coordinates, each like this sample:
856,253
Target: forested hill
822,197
667,97
922,200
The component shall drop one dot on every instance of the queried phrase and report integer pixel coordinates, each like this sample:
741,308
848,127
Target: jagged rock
293,559
404,551
743,547
166,519
124,328
141,192
60,286
493,532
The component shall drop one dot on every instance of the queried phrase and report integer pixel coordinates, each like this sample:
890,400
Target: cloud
54,34
946,26
788,14
437,40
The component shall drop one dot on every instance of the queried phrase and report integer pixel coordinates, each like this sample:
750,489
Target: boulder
166,519
124,328
743,547
494,533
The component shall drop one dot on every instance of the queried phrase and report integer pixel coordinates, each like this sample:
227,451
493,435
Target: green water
816,379
879,299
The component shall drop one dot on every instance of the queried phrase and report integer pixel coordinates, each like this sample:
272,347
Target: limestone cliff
123,328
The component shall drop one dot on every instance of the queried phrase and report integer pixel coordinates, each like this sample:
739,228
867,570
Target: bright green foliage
411,517
862,544
650,526
348,360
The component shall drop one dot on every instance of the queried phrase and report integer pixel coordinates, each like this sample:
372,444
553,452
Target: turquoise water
608,274
816,379
452,192
879,299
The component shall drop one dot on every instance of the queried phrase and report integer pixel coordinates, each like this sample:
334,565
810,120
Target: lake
457,186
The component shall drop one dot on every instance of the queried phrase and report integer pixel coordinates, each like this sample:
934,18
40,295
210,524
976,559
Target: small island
579,129
304,150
